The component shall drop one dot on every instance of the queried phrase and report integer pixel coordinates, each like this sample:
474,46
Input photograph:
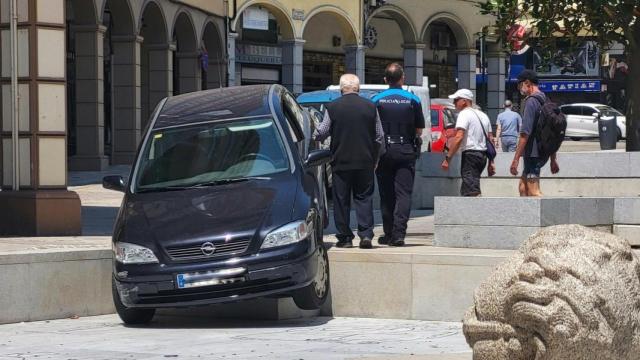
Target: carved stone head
568,293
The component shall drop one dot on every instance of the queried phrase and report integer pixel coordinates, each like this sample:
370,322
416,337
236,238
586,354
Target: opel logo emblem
208,248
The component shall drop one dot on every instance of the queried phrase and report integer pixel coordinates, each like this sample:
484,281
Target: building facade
90,74
308,45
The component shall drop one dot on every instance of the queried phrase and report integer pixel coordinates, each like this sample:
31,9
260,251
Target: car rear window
188,156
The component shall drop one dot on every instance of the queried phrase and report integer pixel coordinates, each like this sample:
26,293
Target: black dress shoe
382,240
365,243
344,244
399,242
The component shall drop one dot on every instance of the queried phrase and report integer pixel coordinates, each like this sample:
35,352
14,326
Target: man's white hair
349,83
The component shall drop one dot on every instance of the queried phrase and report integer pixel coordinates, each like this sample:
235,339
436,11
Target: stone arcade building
92,71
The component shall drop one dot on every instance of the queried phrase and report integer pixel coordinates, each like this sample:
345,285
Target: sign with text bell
255,18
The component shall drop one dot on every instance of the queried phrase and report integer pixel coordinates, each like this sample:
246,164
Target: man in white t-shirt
473,130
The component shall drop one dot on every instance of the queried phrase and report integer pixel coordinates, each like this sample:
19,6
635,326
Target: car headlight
288,234
133,254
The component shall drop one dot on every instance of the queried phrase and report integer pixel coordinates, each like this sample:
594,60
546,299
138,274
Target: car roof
217,104
585,104
327,96
319,96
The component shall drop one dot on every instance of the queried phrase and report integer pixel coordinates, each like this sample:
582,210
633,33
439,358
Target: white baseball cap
462,94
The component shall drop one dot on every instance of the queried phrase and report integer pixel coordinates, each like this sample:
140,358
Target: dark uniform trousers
395,182
360,184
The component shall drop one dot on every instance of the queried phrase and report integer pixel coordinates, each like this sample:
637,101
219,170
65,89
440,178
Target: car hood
219,213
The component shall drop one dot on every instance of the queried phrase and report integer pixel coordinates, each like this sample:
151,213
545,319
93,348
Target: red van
442,124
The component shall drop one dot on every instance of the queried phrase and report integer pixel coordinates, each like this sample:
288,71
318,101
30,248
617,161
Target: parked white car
582,119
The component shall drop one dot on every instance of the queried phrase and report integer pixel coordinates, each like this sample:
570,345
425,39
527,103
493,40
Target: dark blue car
225,202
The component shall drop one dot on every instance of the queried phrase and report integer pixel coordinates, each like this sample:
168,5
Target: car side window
571,110
295,115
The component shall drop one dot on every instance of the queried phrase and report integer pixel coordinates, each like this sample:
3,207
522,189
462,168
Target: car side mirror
317,158
113,182
595,115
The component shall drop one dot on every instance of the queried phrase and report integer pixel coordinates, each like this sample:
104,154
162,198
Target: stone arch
463,38
187,73
156,79
85,121
409,33
279,11
121,76
346,24
122,21
84,12
153,16
212,42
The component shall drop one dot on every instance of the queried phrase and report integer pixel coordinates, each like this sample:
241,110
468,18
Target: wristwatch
447,158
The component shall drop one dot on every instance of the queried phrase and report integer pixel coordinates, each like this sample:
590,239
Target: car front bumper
270,276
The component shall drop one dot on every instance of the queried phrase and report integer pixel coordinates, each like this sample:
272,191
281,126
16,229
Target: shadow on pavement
98,220
184,319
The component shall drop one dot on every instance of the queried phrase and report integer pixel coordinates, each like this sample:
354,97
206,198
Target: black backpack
550,128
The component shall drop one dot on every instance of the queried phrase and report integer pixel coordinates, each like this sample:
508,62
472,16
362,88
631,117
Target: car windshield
210,154
608,111
434,118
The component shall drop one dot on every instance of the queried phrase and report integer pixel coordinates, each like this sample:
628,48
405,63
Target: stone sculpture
568,293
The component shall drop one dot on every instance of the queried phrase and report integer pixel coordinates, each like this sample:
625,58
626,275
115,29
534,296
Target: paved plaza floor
199,337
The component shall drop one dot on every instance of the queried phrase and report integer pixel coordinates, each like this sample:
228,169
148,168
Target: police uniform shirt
400,112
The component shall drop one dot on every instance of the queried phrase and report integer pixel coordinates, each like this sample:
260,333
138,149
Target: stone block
371,289
627,211
442,292
427,188
430,165
588,211
482,237
487,211
629,232
15,293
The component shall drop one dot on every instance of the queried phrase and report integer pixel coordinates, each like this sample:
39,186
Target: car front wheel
130,316
315,294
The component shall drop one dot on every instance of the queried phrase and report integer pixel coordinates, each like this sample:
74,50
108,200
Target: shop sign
255,18
258,54
570,86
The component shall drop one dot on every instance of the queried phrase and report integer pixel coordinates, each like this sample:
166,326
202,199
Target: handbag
491,149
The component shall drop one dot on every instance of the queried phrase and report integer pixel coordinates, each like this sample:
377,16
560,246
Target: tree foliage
604,20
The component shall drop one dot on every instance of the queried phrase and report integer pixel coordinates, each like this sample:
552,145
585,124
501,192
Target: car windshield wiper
227,181
204,184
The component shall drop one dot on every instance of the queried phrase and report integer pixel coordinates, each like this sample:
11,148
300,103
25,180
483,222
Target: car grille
194,252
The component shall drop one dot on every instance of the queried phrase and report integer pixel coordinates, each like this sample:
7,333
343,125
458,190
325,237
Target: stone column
43,206
189,72
413,63
496,73
160,76
292,65
89,100
126,122
216,73
231,60
467,69
354,60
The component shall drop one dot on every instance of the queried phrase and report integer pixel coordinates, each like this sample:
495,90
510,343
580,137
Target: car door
586,122
590,121
573,120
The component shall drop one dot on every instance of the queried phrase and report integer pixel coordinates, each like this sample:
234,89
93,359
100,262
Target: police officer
402,120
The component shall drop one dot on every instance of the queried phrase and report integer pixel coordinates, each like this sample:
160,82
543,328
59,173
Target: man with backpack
543,129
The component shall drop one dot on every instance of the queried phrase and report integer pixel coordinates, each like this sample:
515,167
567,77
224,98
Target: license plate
210,278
